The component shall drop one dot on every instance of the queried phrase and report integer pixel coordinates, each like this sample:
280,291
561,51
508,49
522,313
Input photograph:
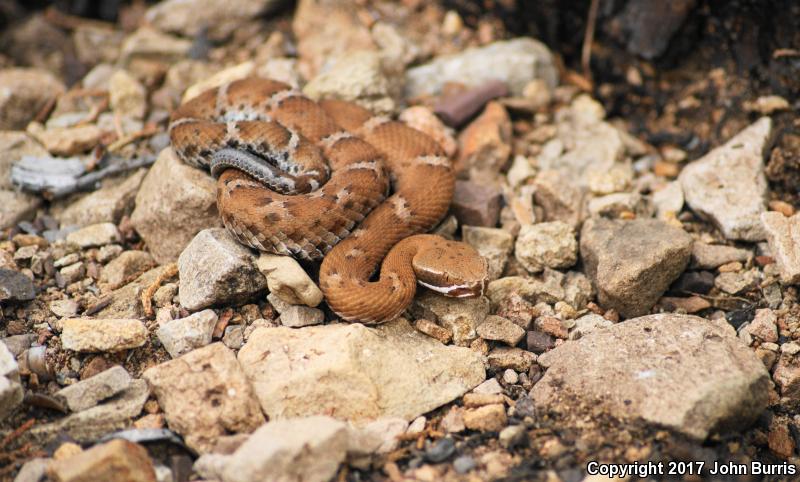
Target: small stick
588,39
147,295
123,141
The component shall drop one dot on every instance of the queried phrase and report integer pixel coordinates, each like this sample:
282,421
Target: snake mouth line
457,291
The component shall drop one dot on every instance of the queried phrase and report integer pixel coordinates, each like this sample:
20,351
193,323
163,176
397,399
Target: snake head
451,268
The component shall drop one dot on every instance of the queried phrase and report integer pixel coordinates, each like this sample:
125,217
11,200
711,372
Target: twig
588,39
123,141
90,179
147,295
17,433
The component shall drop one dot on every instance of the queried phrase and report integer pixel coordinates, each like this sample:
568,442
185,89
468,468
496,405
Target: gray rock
587,324
358,77
516,62
93,390
681,372
95,235
214,269
783,236
105,205
738,281
551,245
296,316
712,256
460,316
354,372
308,449
102,335
632,263
728,185
10,386
205,396
25,92
174,203
185,334
476,204
493,244
497,328
15,145
124,268
216,18
15,286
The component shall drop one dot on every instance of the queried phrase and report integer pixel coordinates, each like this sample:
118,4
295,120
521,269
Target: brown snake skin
310,180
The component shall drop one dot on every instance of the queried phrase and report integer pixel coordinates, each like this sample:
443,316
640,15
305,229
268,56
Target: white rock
302,449
356,373
551,245
287,280
185,334
728,185
783,236
10,386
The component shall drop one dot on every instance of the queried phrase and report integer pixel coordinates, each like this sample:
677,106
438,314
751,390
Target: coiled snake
310,180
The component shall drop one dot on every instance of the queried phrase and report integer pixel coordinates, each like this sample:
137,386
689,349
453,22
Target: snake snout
460,273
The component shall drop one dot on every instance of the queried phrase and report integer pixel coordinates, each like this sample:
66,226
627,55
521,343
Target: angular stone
15,286
711,256
67,141
633,263
25,92
497,328
682,372
728,185
486,142
296,316
114,461
489,418
783,236
93,390
433,330
517,359
174,203
559,196
205,396
354,372
185,334
95,235
214,269
11,392
126,267
737,282
551,245
516,62
127,300
127,95
476,204
302,449
460,316
764,325
105,205
357,77
16,206
150,44
100,335
288,280
493,244
215,18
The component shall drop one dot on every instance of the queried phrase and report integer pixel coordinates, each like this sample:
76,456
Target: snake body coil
311,180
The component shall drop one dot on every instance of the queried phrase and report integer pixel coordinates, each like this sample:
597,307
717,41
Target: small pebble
440,450
464,464
510,377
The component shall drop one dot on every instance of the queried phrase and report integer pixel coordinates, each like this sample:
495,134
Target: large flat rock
355,373
685,373
728,185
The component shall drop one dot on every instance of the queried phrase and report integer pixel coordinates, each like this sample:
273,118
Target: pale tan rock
127,95
25,92
356,373
240,71
517,359
114,461
433,330
66,141
493,244
217,18
174,203
678,371
205,395
95,235
497,328
423,119
101,335
105,205
124,268
488,418
485,144
783,235
460,316
288,280
551,245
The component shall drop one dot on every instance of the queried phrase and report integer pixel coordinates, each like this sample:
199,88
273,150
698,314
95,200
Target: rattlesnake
310,180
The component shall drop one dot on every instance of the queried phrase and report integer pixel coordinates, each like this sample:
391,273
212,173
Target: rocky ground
638,218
